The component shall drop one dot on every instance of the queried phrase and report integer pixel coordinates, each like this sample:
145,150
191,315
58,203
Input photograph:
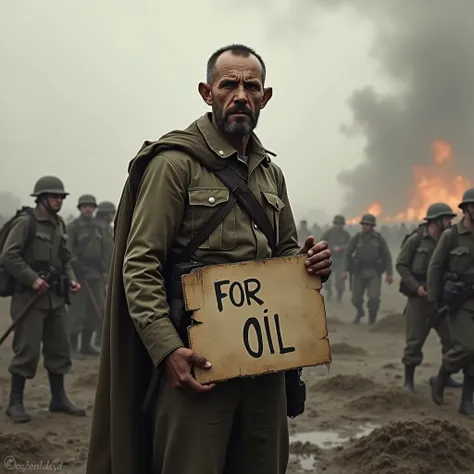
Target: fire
435,183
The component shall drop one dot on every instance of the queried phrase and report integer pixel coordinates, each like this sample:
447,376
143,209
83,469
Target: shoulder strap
31,228
239,191
238,187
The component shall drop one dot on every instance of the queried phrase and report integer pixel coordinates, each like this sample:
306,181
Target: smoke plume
426,51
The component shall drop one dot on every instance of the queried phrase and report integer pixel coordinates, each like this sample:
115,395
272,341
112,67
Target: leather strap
238,187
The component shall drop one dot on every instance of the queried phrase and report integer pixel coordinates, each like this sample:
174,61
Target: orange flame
435,183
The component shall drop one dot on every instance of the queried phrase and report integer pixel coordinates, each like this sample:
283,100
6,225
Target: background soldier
451,283
104,216
86,240
303,231
367,258
338,238
46,321
412,266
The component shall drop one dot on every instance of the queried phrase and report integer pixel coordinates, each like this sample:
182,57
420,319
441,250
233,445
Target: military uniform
303,232
45,322
104,217
367,258
412,266
453,260
338,240
89,255
176,197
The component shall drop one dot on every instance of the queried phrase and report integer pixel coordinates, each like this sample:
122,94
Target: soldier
234,426
45,322
337,238
104,216
412,266
451,288
86,241
303,231
367,258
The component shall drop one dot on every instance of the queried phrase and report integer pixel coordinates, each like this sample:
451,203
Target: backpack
7,282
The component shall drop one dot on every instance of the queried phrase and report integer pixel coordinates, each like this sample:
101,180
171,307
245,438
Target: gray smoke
426,51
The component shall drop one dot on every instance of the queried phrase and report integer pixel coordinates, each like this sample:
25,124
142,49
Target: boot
86,347
453,383
409,383
358,317
60,403
467,407
372,317
438,384
16,410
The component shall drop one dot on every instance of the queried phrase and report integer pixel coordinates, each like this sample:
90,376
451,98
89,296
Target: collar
44,217
462,229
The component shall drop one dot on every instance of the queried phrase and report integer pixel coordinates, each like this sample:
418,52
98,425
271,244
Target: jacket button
212,200
255,226
221,152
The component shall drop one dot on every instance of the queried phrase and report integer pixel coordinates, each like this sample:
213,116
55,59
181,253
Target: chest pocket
203,203
42,247
421,260
273,206
460,259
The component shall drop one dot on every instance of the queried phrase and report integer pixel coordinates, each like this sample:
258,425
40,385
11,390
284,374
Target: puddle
332,439
325,440
305,463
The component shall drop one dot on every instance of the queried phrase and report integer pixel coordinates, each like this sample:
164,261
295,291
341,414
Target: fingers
317,248
200,361
319,263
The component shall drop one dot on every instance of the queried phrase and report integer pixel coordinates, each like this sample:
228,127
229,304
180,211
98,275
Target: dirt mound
427,447
23,447
345,383
384,399
305,449
393,323
342,348
86,380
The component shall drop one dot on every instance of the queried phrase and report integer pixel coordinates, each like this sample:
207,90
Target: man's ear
267,95
205,91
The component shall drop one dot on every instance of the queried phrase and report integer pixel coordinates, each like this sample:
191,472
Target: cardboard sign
256,317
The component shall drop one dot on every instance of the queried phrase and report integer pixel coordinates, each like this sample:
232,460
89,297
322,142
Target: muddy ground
358,420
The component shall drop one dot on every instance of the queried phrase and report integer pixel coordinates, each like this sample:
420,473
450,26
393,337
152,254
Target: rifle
46,276
93,300
456,293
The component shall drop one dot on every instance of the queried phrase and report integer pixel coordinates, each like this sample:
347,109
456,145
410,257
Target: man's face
87,210
447,222
366,228
55,201
469,210
237,93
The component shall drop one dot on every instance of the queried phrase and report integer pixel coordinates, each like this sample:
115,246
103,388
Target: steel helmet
368,219
437,210
467,198
339,219
86,200
106,207
49,185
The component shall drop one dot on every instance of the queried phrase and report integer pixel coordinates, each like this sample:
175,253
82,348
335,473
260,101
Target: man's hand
345,276
421,291
319,258
74,286
178,367
40,285
337,249
389,279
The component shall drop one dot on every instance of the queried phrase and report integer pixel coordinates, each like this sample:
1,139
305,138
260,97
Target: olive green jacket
166,197
48,248
447,257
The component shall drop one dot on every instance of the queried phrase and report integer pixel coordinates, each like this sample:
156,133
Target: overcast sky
84,83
